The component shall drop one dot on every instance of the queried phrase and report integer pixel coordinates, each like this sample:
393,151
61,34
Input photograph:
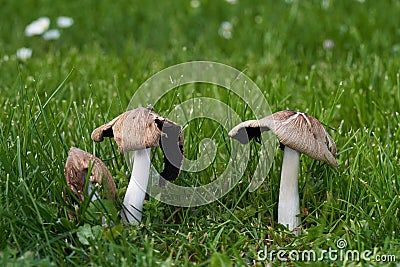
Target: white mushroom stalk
299,133
136,191
92,191
139,130
288,204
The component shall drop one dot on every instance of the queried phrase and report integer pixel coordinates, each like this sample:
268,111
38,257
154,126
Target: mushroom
299,133
139,130
77,167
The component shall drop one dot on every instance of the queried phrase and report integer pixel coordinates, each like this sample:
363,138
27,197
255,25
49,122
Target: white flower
64,22
325,4
225,30
24,53
37,27
232,2
194,3
328,44
51,34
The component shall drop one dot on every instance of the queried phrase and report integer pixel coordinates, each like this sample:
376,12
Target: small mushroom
139,130
77,166
298,133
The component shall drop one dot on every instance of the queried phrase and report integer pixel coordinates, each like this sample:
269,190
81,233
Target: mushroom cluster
299,133
141,129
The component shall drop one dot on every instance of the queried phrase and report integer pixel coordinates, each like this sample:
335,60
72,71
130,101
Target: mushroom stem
91,188
288,206
136,191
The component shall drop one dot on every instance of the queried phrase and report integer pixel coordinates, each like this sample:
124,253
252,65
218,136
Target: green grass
72,85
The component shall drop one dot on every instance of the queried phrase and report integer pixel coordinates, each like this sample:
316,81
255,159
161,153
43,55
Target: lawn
339,61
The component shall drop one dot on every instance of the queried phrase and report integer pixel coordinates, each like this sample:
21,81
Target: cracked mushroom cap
76,171
142,128
297,130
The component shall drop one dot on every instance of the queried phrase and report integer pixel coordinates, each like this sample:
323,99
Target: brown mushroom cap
297,130
142,128
76,170
138,126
